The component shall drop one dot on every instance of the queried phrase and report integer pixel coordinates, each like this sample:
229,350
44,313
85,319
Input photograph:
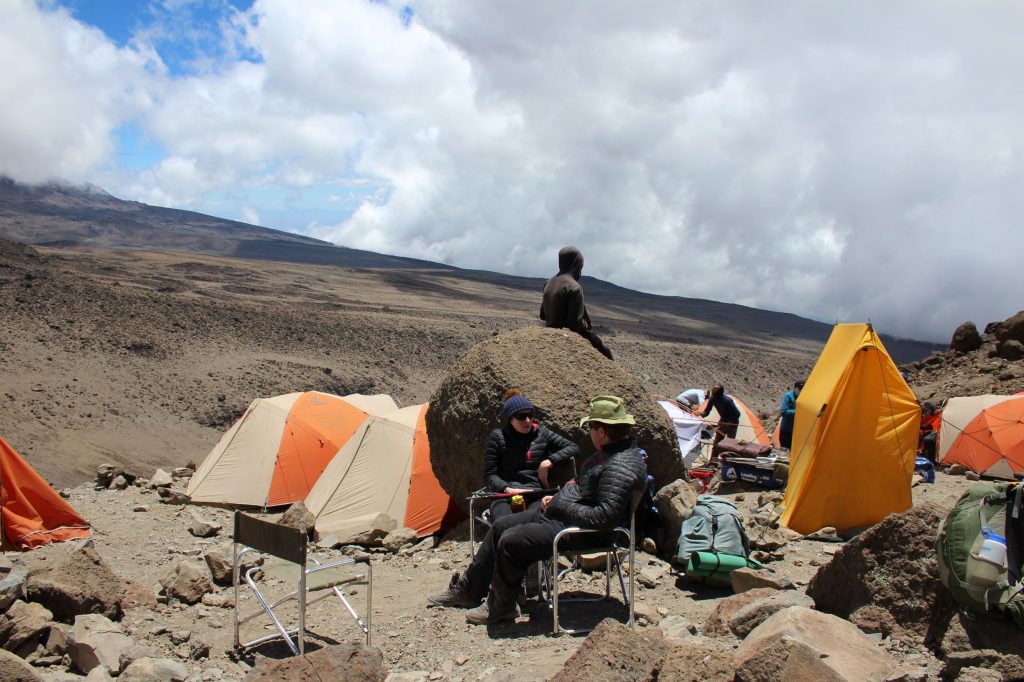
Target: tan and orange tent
277,450
384,468
957,413
992,443
854,437
32,513
750,429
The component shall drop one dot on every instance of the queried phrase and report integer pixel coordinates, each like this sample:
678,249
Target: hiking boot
501,605
456,596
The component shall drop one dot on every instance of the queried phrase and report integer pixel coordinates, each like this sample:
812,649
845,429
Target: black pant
510,546
502,507
786,439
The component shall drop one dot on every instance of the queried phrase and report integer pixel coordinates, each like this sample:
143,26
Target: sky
844,161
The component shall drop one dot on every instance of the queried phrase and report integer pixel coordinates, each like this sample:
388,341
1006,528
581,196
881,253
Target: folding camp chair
290,546
480,500
621,541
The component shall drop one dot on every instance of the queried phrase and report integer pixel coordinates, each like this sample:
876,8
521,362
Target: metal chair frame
551,575
290,545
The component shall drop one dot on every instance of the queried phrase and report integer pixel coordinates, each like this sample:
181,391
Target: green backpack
971,548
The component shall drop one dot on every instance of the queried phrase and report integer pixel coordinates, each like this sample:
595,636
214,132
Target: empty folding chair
310,576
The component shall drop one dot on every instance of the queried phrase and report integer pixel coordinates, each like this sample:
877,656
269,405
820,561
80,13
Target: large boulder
744,620
801,644
1011,328
966,338
615,652
150,669
350,662
559,372
717,623
886,579
77,583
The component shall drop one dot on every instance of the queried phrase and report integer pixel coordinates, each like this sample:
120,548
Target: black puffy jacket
511,458
601,495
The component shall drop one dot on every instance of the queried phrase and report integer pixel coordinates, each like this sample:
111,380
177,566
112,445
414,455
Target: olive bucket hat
608,409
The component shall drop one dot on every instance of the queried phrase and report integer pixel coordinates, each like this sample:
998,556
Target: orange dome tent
31,512
993,442
384,468
276,451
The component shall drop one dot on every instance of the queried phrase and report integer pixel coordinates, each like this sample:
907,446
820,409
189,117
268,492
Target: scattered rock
161,479
718,621
398,538
78,582
14,586
800,644
24,625
152,669
677,626
1011,349
745,619
169,496
95,640
119,483
645,611
613,651
201,527
188,582
298,517
956,470
182,472
697,659
972,475
365,534
674,501
350,662
744,579
15,669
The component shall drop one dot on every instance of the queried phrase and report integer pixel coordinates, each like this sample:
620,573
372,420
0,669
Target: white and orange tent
984,433
276,451
750,429
31,512
384,468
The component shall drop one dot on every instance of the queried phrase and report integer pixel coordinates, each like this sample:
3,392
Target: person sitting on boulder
519,455
562,306
728,416
600,498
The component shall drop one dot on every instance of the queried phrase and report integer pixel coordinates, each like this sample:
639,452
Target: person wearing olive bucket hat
599,499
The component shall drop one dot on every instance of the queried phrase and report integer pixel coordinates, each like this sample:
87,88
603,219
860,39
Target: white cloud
65,89
841,161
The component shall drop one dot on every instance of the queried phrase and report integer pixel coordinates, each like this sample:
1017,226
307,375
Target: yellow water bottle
518,503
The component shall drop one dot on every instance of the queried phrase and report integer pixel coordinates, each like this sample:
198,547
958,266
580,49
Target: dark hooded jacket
563,306
600,498
511,458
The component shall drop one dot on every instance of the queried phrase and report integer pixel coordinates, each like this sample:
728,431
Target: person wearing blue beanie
519,455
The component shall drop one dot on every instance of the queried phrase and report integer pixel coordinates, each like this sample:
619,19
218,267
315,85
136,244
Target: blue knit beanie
517,403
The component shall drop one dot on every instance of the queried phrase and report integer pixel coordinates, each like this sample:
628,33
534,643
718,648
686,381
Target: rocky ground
143,539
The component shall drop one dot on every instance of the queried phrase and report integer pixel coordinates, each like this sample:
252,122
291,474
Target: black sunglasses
522,415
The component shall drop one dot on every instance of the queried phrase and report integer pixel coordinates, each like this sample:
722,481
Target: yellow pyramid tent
854,437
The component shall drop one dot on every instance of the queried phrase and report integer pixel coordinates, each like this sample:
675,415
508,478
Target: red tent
993,442
31,512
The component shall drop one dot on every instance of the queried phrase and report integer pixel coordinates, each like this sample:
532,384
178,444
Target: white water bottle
993,548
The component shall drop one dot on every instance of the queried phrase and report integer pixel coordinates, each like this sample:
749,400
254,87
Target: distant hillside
63,216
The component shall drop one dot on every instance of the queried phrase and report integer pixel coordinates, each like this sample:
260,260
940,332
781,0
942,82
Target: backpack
980,550
713,526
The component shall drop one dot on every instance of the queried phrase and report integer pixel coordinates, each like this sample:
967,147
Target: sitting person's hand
542,472
545,501
517,491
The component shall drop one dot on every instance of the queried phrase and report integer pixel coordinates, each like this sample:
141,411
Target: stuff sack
731,446
713,526
979,550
